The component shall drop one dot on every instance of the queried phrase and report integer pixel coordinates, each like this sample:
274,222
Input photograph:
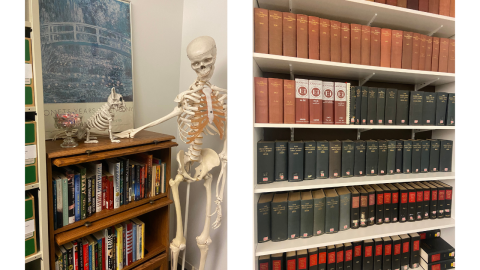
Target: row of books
307,160
81,190
320,102
109,249
297,35
392,252
302,214
441,7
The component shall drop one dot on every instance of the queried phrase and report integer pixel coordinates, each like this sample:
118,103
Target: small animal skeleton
200,110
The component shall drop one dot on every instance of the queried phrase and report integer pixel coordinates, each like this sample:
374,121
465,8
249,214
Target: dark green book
332,211
348,158
416,155
279,214
335,159
390,106
429,104
381,106
403,100
425,158
407,156
281,160
310,160
358,104
399,157
364,106
352,105
441,109
382,157
355,208
434,156
360,148
265,162
446,153
371,157
371,205
318,212
322,159
363,206
345,200
294,207
306,214
391,154
451,110
264,207
372,106
295,161
416,108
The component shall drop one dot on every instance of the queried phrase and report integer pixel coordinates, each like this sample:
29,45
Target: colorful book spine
134,241
78,197
121,183
54,184
65,201
89,197
119,247
83,192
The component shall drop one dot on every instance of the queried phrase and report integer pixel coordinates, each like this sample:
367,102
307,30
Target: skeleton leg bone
88,140
178,243
112,138
203,241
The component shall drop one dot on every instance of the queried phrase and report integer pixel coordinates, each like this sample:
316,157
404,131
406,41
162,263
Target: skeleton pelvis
208,160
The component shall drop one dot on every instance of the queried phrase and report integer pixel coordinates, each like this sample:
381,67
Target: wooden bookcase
153,211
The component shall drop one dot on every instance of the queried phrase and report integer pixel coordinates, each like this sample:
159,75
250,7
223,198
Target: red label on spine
368,251
419,196
331,257
406,247
379,199
364,200
416,245
340,256
436,267
388,250
264,266
423,236
348,255
404,197
291,264
395,197
441,195
313,259
435,257
426,195
411,197
277,265
387,197
302,263
355,202
378,250
371,200
358,251
397,249
434,195
449,195
322,257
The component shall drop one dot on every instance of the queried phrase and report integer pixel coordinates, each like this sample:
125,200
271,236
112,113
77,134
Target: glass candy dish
68,122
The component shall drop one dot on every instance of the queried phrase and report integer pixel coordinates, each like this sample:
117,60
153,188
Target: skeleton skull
116,101
202,53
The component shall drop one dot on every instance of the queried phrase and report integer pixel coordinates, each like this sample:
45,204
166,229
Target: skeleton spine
195,149
100,119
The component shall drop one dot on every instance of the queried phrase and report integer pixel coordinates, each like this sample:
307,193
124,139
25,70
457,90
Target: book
416,108
288,101
440,199
429,234
356,43
414,250
391,156
368,258
451,56
428,109
264,262
340,103
310,150
331,257
345,42
434,162
423,51
100,238
375,44
443,54
441,109
302,36
393,202
387,253
335,159
89,195
433,6
295,161
110,250
425,156
371,157
416,156
313,38
448,199
302,259
402,3
275,32
416,43
332,211
114,170
70,175
371,205
405,257
278,261
312,259
328,103
77,182
372,106
325,36
294,206
444,8
363,206
322,159
60,204
436,249
301,102
364,106
451,110
261,100
315,101
306,214
318,212
433,199
109,190
55,207
360,149
452,8
426,200
390,106
379,204
275,100
140,237
385,47
412,202
265,162
399,157
280,160
70,262
335,41
407,156
291,261
380,110
397,252
345,198
435,51
365,45
382,157
445,264
134,244
403,202
83,202
358,104
289,34
279,220
348,158
378,255
402,107
357,255
428,53
351,105
264,209
397,49
355,208
348,262
261,30
340,253
446,153
419,200
122,180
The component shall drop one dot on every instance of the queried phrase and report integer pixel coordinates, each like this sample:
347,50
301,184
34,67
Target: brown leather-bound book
407,50
313,37
356,39
345,43
261,100
435,53
275,30
275,100
392,2
443,55
375,43
428,54
301,101
412,4
416,51
423,5
365,55
444,8
423,51
315,101
261,30
397,48
302,36
451,56
288,101
289,34
433,6
328,103
381,1
324,39
335,41
452,8
386,47
402,3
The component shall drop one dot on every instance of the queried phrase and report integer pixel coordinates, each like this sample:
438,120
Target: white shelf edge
353,235
33,257
32,186
28,24
352,181
30,109
320,126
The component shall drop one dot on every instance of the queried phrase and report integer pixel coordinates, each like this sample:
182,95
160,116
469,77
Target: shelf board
361,11
32,186
28,24
351,181
33,257
353,235
152,253
308,67
30,109
261,125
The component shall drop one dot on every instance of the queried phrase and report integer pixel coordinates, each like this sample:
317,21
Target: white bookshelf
361,12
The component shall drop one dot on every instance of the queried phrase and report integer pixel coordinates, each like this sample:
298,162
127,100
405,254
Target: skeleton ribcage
100,119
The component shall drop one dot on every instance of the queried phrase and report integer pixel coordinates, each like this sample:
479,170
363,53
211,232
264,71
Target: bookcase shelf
361,11
353,235
262,125
30,109
308,67
33,257
352,181
32,186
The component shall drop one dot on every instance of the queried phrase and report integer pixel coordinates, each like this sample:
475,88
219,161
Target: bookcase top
54,150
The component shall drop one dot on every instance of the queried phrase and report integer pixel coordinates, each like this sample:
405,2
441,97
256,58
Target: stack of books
436,253
441,7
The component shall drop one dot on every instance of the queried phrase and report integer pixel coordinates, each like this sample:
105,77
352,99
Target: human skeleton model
200,109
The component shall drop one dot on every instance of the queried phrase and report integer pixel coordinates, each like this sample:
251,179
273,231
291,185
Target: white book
114,169
348,104
96,169
58,184
154,178
140,237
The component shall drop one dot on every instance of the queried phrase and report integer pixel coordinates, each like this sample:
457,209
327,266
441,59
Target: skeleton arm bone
220,183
